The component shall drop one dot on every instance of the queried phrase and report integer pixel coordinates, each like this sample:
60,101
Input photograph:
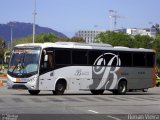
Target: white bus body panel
46,81
76,78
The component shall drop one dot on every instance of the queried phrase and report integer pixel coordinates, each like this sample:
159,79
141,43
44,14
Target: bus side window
126,59
150,59
93,55
62,57
139,59
79,57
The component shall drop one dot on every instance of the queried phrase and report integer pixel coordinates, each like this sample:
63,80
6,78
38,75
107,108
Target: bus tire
60,87
122,88
97,92
34,92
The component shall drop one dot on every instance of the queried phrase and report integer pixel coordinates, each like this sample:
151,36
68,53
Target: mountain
21,29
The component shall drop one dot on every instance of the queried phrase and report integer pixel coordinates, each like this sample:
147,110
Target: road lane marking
115,118
93,111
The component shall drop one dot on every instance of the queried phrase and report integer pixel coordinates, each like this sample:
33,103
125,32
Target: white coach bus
76,66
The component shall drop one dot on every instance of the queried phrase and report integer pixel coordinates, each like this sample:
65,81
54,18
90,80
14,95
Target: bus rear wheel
60,88
122,88
97,92
34,92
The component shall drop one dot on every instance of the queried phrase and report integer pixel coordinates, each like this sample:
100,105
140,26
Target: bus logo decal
102,70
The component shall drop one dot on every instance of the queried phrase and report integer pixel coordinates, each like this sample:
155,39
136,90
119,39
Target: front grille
19,87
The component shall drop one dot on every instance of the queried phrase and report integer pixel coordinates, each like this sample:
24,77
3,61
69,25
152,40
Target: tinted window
126,59
62,57
79,57
109,56
93,55
139,59
150,59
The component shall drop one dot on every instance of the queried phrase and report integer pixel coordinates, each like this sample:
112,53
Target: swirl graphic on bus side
104,71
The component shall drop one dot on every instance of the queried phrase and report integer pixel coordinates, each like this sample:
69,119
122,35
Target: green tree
143,41
2,49
123,39
43,37
76,39
156,43
24,40
116,38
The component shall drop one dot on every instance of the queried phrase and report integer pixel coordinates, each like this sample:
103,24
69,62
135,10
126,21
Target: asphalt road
79,105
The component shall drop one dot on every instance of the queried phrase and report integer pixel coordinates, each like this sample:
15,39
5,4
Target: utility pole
11,25
34,20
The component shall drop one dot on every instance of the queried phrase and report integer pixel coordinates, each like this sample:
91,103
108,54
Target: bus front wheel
34,92
60,88
97,92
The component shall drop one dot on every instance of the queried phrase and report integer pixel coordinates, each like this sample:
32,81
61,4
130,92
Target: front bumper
28,83
12,85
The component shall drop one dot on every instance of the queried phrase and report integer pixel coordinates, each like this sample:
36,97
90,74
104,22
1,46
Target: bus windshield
24,61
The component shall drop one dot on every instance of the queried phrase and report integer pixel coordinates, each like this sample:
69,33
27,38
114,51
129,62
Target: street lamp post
11,36
34,20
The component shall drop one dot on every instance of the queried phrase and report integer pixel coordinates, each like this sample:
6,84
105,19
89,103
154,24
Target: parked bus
77,66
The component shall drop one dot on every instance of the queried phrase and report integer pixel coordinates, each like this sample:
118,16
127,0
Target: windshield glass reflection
24,61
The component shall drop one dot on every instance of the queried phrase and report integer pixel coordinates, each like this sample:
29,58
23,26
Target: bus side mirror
45,58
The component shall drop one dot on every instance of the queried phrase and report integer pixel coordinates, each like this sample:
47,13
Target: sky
69,16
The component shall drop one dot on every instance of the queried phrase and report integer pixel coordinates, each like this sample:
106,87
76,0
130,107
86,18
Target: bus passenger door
46,71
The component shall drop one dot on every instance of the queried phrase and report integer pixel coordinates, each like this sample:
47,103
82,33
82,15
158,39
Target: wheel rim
122,87
60,87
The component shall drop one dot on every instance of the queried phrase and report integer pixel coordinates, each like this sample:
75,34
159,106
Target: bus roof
75,45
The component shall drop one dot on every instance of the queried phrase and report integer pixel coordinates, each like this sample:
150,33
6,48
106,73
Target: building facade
89,36
139,31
